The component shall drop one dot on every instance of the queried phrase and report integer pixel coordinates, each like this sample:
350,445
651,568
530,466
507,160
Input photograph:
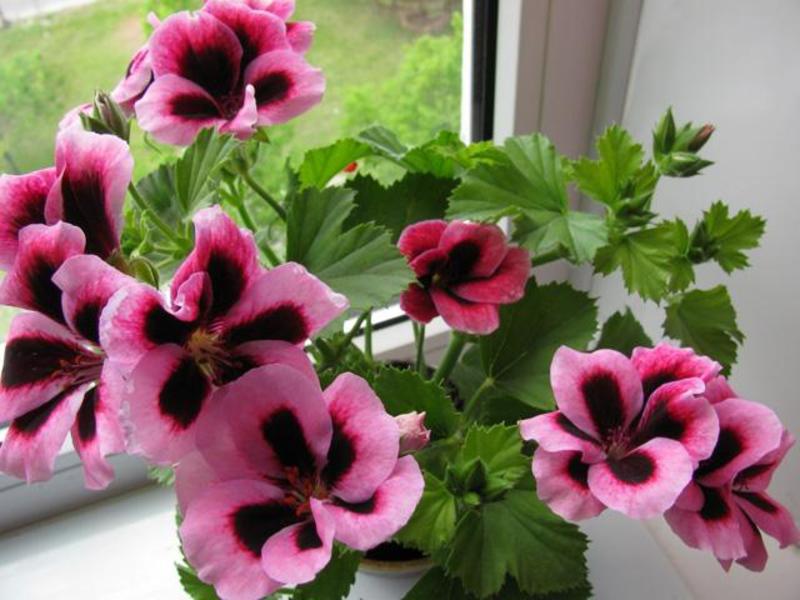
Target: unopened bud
413,434
700,139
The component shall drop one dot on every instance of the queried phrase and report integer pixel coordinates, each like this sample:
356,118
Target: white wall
735,63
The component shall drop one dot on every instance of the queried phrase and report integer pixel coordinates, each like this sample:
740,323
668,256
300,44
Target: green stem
151,213
419,339
368,337
470,408
547,257
356,328
264,194
272,258
451,356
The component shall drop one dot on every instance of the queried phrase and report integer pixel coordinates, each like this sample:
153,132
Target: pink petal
87,284
281,8
33,440
297,553
417,304
757,477
366,524
258,31
747,432
41,360
135,321
645,482
554,432
677,412
428,262
93,175
259,354
300,35
769,515
138,77
42,250
365,443
226,253
243,124
755,558
278,419
97,431
718,390
479,248
464,316
73,116
666,363
505,286
224,530
286,86
420,237
561,483
287,303
715,527
22,199
599,391
193,476
174,110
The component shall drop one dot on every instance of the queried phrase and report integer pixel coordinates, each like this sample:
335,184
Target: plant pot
388,572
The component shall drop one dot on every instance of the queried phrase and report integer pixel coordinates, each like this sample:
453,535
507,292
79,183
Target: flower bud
701,137
413,434
107,118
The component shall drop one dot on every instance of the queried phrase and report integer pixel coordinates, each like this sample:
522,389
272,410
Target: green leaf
723,238
607,178
521,537
432,525
500,449
416,197
199,163
622,332
517,356
580,234
706,321
322,164
437,584
196,589
383,142
335,580
646,258
360,262
404,391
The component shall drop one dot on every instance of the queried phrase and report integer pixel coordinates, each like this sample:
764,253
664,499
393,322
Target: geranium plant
165,318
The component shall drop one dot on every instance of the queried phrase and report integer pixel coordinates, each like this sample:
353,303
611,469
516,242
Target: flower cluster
662,433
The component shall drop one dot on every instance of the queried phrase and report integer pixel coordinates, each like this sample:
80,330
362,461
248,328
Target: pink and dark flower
606,447
133,85
299,34
225,315
228,66
22,201
55,379
666,363
464,272
726,507
283,470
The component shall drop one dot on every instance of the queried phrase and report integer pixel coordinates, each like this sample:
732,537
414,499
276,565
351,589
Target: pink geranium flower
55,378
225,315
726,507
282,470
464,271
611,445
133,85
299,33
228,66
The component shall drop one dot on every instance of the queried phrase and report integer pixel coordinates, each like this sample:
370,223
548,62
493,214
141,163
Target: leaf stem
264,194
151,214
419,340
272,258
547,257
451,356
472,404
368,336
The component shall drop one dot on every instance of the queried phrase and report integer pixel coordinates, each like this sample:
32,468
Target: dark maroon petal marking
31,422
282,431
341,456
578,471
362,508
232,369
33,211
758,500
572,429
253,525
728,447
161,327
307,536
183,394
209,67
227,282
87,321
745,475
604,401
660,424
45,295
636,468
651,383
194,107
271,88
284,322
714,505
87,422
460,260
29,360
84,206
